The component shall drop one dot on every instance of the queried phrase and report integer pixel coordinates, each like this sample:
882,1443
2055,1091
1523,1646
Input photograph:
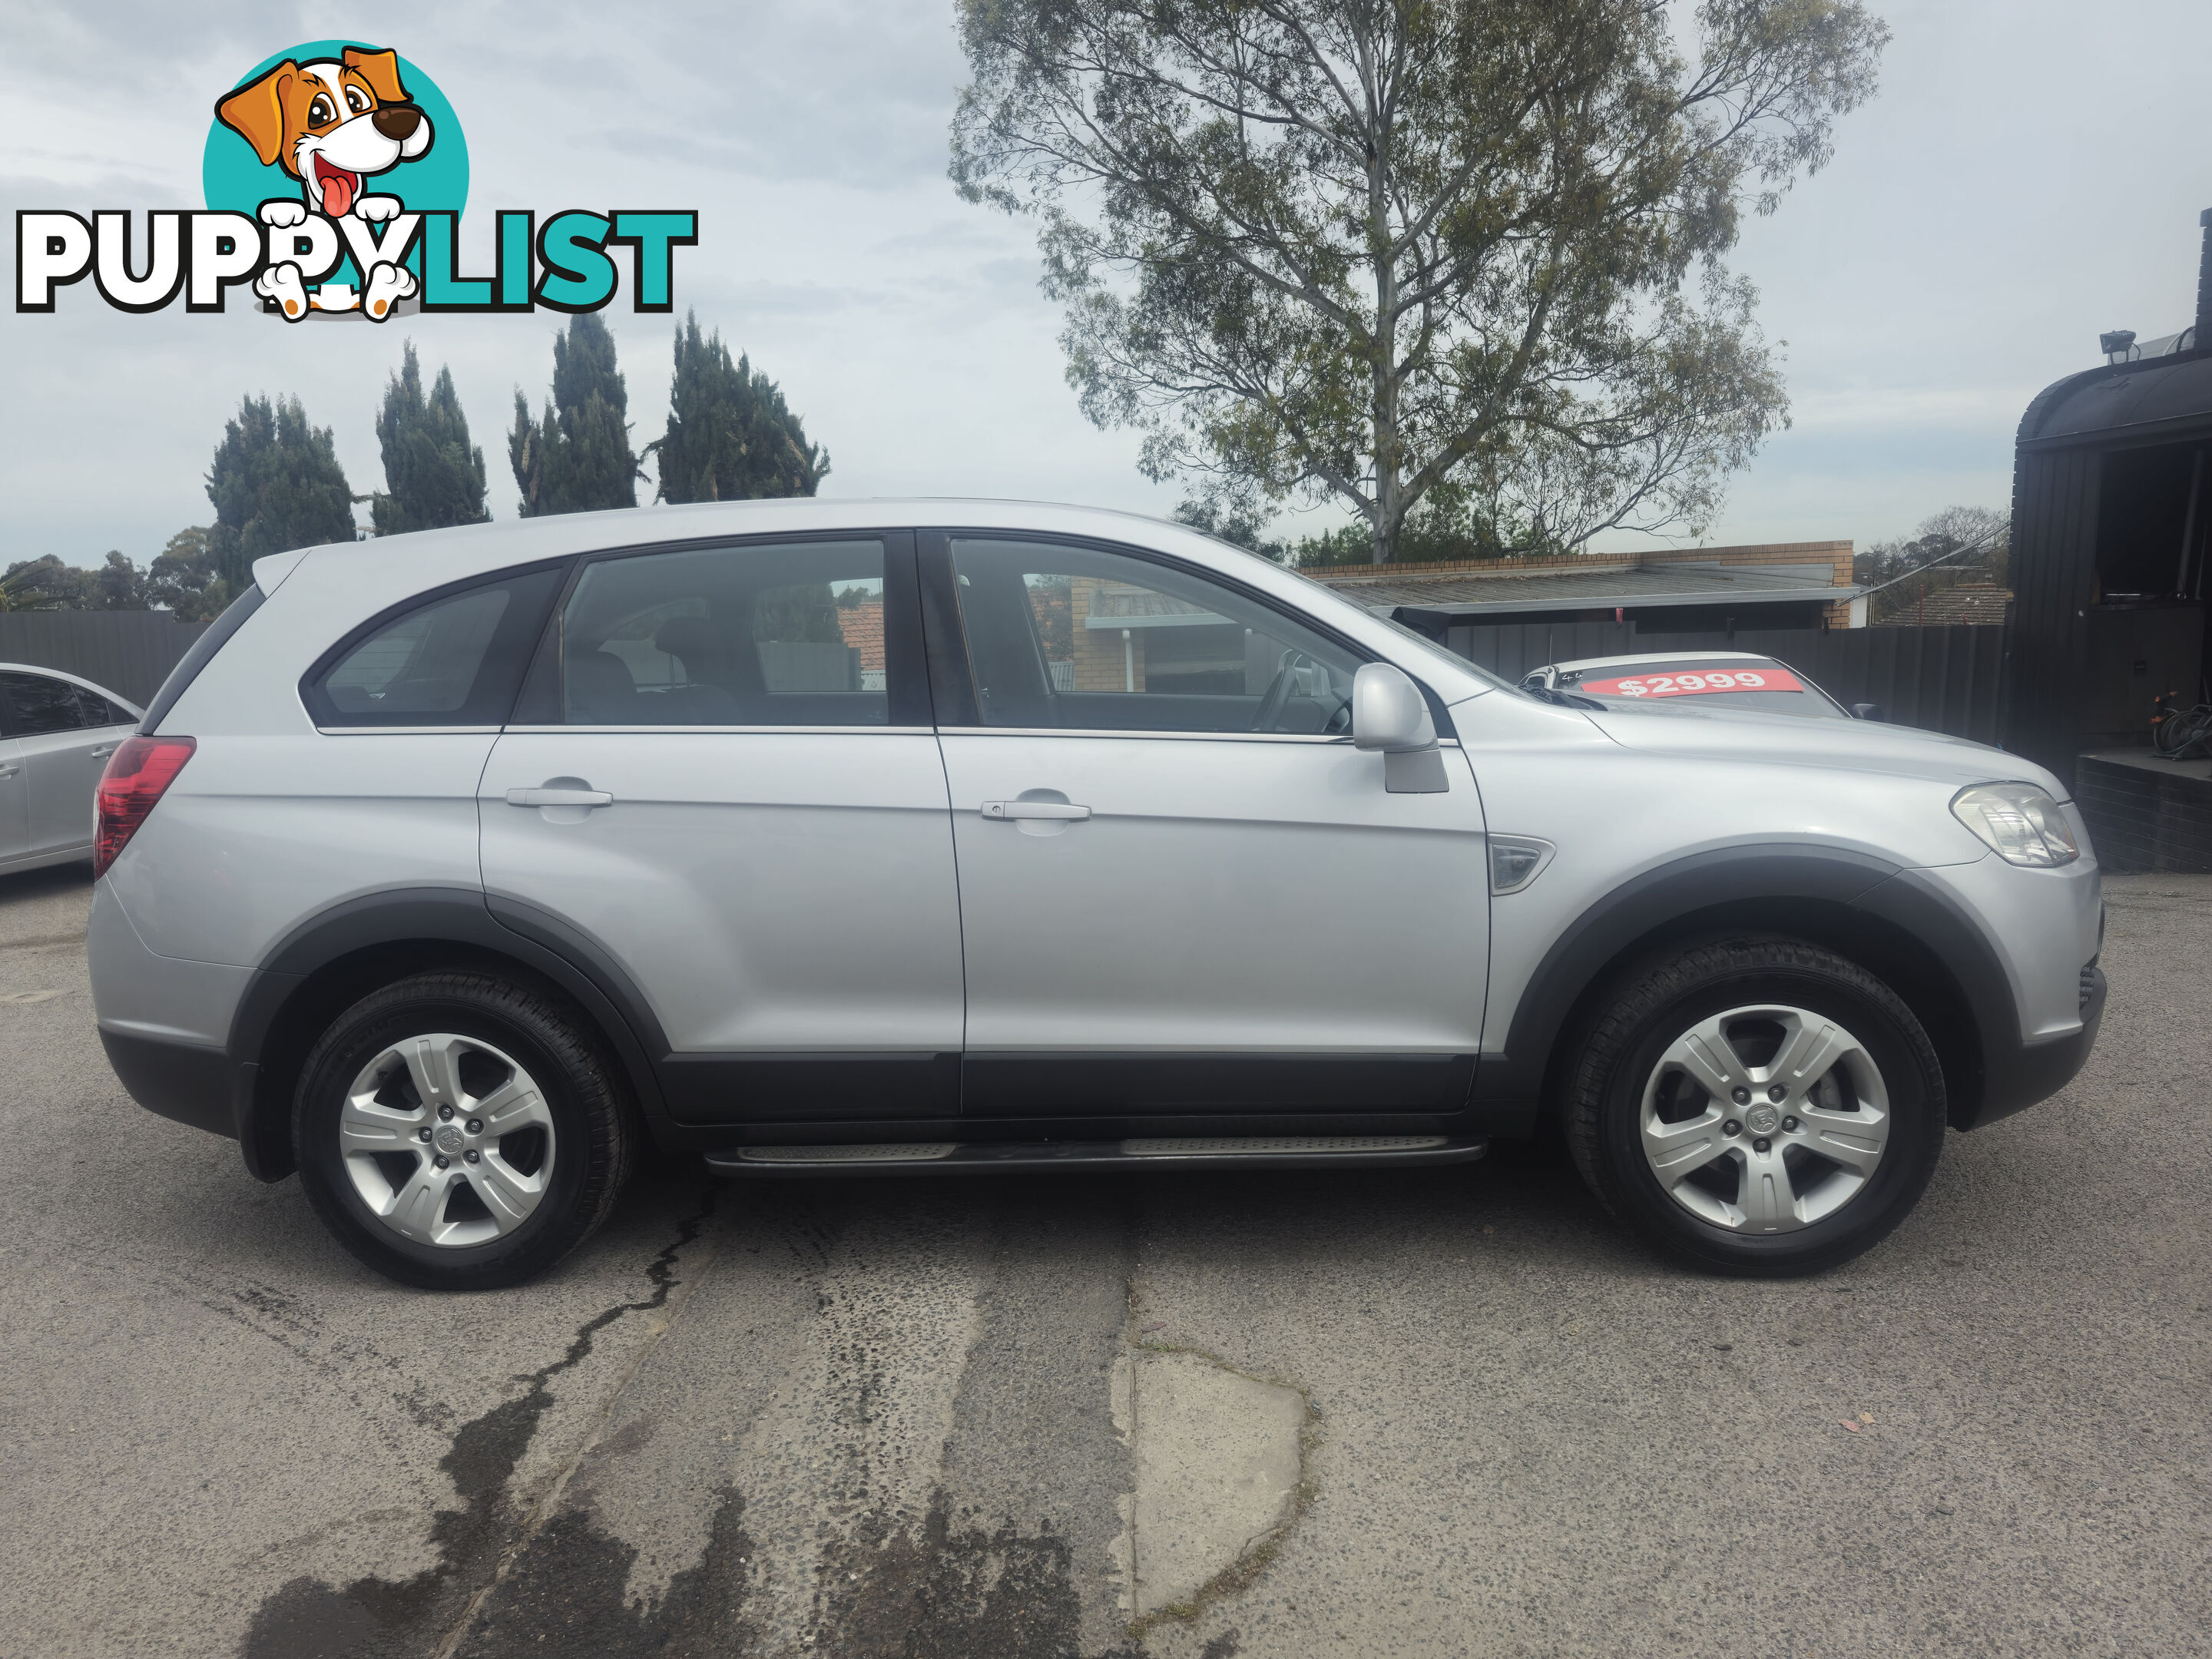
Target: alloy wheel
1764,1118
446,1140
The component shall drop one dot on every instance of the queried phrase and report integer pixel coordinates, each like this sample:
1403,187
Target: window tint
453,661
788,634
1073,639
42,704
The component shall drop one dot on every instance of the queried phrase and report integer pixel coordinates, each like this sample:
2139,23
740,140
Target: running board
1155,1152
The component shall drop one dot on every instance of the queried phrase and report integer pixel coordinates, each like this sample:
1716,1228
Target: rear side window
453,659
39,704
783,635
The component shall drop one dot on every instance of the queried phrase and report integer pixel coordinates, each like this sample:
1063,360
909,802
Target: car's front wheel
1757,1106
456,1131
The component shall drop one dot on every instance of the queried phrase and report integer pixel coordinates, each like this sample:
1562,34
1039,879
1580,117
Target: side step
1171,1152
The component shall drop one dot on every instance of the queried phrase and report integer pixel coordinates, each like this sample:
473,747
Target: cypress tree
730,437
577,458
435,478
277,484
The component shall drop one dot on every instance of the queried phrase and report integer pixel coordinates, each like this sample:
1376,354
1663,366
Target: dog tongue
338,193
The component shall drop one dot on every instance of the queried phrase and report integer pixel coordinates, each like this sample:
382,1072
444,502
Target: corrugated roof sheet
1972,605
1504,594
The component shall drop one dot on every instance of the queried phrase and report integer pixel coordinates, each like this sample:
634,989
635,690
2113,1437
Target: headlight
2021,822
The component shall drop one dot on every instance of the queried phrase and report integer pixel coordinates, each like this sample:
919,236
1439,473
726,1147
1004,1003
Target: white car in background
56,734
1739,679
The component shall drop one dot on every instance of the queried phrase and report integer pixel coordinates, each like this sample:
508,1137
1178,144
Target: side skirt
1153,1153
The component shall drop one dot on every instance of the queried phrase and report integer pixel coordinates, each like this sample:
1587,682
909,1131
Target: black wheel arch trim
399,919
1990,1072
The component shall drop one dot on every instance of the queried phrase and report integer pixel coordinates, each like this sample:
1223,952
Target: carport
2110,510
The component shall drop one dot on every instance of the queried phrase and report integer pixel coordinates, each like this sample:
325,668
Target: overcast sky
2030,174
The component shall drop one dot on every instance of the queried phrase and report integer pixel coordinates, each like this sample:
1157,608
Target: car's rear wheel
458,1132
1756,1106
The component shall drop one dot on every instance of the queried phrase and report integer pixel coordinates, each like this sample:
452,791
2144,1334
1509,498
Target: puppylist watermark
334,175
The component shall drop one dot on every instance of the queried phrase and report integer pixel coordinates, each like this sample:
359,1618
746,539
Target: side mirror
1866,711
1388,713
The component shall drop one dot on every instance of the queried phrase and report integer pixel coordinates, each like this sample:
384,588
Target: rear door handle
103,751
559,798
1036,809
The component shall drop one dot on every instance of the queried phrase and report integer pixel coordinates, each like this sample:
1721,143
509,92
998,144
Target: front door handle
1059,809
559,798
9,771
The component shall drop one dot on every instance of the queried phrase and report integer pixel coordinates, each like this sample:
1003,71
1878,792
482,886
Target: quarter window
455,661
1072,638
788,634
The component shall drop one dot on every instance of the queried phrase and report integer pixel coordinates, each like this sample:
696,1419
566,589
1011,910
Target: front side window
452,661
42,704
1077,639
786,634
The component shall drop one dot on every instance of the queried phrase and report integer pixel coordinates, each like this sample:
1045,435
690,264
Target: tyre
458,1132
1760,1106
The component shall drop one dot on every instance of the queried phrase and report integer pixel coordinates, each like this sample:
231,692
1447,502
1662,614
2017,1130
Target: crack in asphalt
371,1618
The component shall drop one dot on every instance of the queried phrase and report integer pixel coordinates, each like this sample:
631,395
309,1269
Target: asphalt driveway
884,1418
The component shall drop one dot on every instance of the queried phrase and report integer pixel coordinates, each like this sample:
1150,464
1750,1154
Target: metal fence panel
129,652
1939,679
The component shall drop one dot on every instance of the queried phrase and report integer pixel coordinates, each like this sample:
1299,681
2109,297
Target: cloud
2002,201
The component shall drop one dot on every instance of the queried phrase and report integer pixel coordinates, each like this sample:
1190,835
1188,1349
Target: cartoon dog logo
333,123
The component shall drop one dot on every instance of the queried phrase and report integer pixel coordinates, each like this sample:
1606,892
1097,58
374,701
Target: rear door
66,733
15,799
1182,889
724,782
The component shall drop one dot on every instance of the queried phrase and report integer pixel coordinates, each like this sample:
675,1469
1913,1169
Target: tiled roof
862,626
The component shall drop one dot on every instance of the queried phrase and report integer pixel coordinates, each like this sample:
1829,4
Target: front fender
1921,939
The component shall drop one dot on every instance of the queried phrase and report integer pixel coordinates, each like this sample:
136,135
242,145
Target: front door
1181,890
67,733
735,799
15,803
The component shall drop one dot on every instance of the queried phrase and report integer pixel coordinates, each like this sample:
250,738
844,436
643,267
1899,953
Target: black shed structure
2110,510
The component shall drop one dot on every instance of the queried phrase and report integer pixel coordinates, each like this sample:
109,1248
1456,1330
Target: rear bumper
178,1080
2018,1076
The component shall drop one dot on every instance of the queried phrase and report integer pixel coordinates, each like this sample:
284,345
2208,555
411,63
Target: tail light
137,774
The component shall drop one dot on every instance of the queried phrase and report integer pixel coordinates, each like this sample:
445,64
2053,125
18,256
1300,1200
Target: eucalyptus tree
1459,255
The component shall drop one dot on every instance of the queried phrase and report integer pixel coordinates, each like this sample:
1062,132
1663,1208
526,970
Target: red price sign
1700,682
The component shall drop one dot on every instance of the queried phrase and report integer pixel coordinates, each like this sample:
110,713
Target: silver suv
920,837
